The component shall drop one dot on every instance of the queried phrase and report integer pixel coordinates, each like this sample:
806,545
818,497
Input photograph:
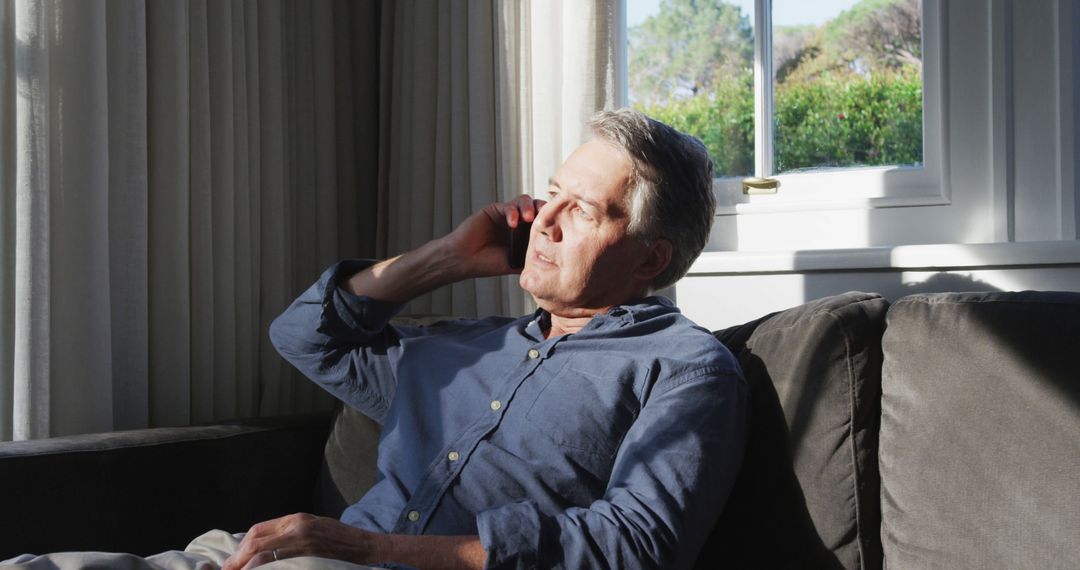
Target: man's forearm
430,552
476,248
402,278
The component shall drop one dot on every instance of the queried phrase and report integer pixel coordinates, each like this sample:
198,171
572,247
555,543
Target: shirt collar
617,316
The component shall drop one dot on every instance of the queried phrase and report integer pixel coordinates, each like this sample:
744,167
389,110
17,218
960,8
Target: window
850,115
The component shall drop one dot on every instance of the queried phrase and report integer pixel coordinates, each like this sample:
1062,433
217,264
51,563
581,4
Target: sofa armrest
147,491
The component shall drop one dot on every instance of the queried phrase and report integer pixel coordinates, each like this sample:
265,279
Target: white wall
732,289
1009,124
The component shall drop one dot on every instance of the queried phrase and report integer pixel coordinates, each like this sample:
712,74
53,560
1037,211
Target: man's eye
582,213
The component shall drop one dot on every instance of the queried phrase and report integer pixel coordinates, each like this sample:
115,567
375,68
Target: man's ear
656,260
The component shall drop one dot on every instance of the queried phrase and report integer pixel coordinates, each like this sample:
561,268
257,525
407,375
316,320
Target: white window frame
833,188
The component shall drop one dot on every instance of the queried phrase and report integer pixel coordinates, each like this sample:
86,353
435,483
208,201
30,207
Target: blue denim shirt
615,446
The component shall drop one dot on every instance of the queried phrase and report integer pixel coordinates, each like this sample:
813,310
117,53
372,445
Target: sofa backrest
807,493
149,490
980,431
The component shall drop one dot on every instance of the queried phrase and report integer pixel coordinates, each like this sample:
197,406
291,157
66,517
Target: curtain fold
7,220
168,242
174,173
128,201
33,32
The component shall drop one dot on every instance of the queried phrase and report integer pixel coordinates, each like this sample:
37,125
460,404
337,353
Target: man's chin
550,297
531,285
530,281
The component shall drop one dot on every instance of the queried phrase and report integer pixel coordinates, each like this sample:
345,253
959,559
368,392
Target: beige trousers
207,552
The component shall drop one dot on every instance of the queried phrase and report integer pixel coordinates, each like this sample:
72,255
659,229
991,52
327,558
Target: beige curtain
173,173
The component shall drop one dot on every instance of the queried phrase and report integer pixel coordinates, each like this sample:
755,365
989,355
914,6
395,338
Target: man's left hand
303,535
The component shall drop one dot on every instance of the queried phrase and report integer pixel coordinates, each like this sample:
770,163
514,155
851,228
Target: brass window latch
754,186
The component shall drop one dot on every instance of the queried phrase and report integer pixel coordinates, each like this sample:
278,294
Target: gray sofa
941,431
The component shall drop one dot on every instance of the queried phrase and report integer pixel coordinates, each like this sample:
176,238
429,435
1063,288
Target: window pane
848,83
690,64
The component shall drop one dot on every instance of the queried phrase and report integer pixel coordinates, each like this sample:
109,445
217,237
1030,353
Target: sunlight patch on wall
778,231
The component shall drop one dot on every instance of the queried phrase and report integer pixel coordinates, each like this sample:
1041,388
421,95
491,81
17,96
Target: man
606,430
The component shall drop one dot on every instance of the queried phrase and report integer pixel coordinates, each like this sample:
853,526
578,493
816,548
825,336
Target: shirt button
453,456
495,405
414,516
533,353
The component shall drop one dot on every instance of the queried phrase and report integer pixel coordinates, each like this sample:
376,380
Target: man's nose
547,221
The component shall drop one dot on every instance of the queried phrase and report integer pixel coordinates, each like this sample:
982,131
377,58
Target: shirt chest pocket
585,411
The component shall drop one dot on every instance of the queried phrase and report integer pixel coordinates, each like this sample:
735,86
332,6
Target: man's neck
570,320
569,324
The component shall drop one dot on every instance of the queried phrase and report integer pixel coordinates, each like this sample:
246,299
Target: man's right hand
480,243
476,248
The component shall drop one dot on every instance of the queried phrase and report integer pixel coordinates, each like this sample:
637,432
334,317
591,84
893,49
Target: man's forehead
575,192
596,173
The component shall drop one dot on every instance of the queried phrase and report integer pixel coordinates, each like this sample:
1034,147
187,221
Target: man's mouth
544,259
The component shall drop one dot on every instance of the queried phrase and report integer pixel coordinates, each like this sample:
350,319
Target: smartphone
519,244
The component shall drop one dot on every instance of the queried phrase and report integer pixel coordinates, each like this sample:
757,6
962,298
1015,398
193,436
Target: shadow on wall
946,283
890,284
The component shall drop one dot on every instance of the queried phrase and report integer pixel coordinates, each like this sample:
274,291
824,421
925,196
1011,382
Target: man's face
580,259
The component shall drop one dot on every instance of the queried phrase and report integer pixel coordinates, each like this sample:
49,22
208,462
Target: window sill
908,257
761,204
860,188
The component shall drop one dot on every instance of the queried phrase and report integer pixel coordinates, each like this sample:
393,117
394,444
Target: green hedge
832,120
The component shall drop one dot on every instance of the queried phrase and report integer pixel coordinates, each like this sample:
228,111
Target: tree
873,36
887,32
793,46
686,48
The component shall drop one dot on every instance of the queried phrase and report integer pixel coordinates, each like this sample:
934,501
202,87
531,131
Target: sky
785,12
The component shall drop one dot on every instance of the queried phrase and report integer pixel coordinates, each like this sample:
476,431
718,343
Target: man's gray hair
670,185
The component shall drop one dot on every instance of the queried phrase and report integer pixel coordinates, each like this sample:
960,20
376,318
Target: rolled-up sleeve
670,480
341,341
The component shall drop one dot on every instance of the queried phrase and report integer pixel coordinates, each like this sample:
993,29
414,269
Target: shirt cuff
510,534
357,313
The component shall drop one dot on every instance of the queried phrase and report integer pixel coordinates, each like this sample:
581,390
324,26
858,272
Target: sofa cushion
807,494
348,468
980,432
